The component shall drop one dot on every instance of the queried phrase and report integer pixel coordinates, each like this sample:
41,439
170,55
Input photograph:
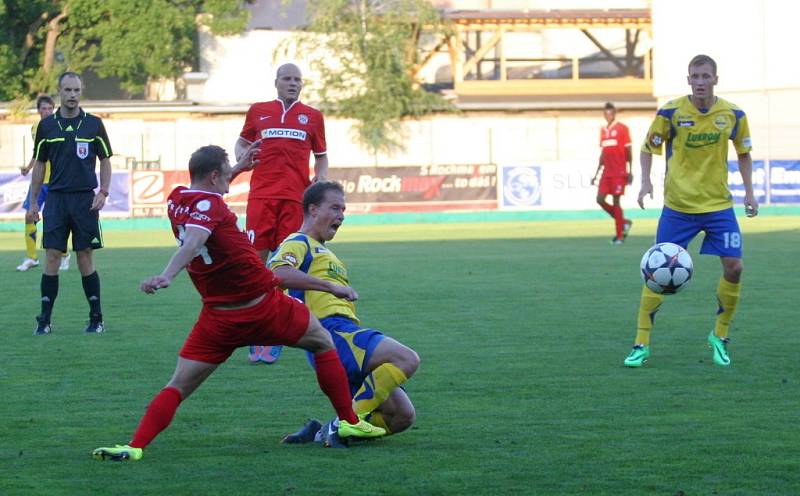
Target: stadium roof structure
483,70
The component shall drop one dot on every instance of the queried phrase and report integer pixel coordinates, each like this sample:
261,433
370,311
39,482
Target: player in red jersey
615,160
289,131
242,303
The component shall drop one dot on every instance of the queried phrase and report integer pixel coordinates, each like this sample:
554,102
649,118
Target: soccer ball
666,268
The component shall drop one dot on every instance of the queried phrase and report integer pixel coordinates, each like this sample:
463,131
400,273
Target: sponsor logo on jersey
655,139
277,132
290,257
302,119
747,142
699,140
203,205
608,142
200,217
82,149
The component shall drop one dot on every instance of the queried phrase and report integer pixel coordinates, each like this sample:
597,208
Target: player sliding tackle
376,364
242,303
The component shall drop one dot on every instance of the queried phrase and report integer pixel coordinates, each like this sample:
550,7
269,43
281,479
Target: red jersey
614,141
288,136
227,269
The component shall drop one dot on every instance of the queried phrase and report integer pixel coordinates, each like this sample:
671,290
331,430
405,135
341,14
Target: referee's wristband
104,192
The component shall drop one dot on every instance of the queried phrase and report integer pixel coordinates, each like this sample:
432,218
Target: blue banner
784,181
14,189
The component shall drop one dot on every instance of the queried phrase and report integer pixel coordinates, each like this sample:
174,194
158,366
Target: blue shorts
40,201
354,346
722,234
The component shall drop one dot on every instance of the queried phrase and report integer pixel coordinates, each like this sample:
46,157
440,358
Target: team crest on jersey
82,149
203,205
302,119
721,122
655,139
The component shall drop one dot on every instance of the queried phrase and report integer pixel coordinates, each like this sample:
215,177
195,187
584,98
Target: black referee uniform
72,146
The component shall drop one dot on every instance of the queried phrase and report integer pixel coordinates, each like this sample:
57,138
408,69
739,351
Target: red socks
157,417
333,382
619,220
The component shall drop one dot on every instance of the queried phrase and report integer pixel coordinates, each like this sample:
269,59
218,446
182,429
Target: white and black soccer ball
666,268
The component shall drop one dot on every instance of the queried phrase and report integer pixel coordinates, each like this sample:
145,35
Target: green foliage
132,40
366,53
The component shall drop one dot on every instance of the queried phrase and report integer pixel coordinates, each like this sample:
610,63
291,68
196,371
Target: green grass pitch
521,327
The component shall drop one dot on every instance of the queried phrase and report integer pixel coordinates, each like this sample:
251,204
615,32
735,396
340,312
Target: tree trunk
53,31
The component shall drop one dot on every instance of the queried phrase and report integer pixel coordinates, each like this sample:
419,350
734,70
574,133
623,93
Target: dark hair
609,106
206,160
44,99
703,59
68,74
315,194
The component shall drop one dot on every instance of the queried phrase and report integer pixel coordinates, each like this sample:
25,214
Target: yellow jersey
312,257
696,143
46,164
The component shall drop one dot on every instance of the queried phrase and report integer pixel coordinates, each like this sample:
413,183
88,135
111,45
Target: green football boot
720,347
119,453
639,354
361,429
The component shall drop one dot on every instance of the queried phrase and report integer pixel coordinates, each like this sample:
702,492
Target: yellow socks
377,387
648,306
728,298
30,241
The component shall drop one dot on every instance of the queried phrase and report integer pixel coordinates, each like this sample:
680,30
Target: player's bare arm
646,161
247,160
193,240
37,178
240,148
105,182
597,171
27,168
629,163
320,167
746,170
292,278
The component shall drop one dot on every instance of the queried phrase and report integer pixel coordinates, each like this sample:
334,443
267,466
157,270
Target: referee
72,140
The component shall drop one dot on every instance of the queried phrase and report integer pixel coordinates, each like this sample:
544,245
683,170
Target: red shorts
270,221
278,319
612,185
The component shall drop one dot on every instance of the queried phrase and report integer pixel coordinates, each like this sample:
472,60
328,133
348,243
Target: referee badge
82,149
302,119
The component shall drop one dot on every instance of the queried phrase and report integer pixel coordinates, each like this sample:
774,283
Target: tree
367,53
133,40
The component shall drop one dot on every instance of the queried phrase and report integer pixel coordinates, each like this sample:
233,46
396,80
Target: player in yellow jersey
376,364
45,107
695,130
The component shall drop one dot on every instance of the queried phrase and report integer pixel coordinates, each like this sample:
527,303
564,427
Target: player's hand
31,216
344,292
750,205
630,179
154,283
249,159
318,178
99,201
647,189
594,180
24,170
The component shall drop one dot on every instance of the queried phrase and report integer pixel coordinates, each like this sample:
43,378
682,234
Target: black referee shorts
66,213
